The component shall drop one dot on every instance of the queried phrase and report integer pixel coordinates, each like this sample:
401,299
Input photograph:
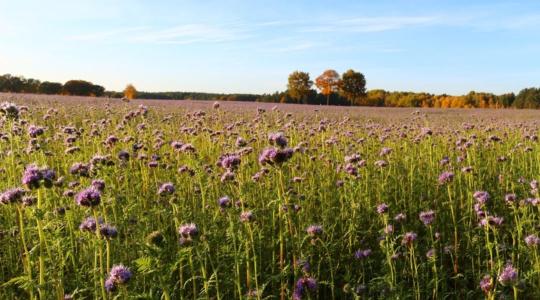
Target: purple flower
389,229
189,230
381,163
446,177
486,284
31,176
123,155
532,240
508,276
314,230
303,285
427,217
98,184
409,238
385,151
229,161
107,231
278,139
491,221
166,189
431,253
120,274
224,202
89,224
382,208
110,285
34,131
510,198
400,217
361,254
304,265
275,156
481,196
88,197
79,168
247,216
12,195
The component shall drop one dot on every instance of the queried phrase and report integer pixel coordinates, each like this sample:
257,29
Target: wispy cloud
181,34
191,33
369,24
106,35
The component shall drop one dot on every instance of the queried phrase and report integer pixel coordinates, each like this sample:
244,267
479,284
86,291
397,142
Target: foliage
299,86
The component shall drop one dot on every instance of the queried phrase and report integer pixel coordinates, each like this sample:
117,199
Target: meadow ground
192,200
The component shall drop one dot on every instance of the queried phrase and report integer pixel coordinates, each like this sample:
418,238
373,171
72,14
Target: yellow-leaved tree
130,92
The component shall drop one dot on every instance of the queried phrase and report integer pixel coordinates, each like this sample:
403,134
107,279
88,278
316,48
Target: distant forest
329,88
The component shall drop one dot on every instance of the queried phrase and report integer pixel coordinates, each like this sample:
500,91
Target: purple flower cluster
314,230
486,284
409,238
247,216
119,275
361,254
275,156
303,286
532,240
229,161
446,177
187,233
89,197
278,139
12,196
382,208
508,275
34,176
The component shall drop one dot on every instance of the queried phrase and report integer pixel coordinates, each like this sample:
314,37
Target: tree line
329,88
19,84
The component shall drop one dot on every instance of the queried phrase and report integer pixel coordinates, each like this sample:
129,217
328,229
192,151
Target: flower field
103,199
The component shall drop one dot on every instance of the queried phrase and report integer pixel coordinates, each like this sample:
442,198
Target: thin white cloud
106,35
369,24
191,33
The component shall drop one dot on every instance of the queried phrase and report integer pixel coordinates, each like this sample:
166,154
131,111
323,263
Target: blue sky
251,46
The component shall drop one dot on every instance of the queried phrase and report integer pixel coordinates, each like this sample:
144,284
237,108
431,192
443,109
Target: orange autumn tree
130,92
328,83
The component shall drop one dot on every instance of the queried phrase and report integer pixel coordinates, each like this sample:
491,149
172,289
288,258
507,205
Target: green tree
528,98
50,88
299,86
353,86
83,88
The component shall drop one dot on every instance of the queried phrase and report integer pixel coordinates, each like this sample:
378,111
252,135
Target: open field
266,201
